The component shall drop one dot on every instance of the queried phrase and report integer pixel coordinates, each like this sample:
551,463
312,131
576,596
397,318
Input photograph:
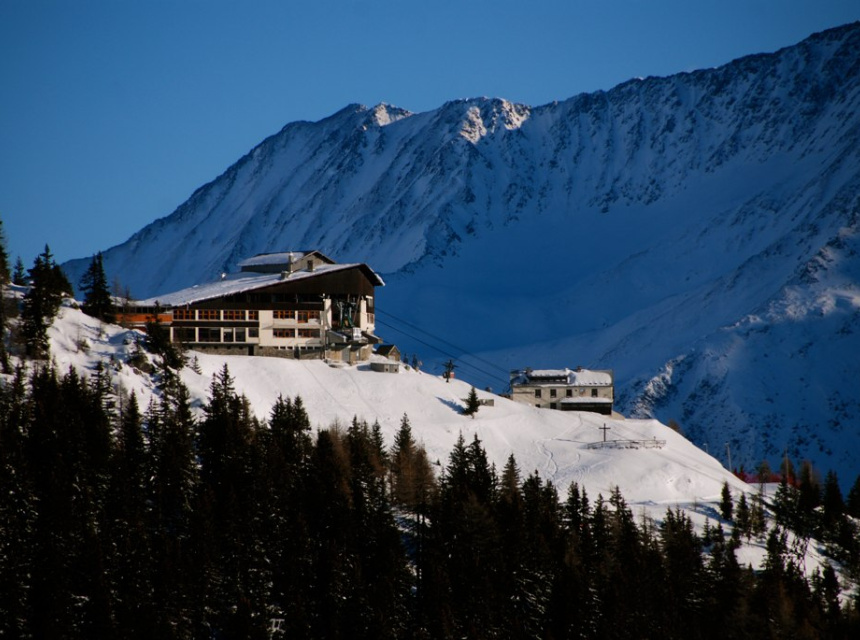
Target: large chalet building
564,389
297,304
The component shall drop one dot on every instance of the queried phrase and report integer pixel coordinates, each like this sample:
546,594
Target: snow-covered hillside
668,472
696,233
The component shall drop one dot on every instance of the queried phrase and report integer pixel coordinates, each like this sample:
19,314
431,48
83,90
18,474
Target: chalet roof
249,281
570,377
283,257
386,349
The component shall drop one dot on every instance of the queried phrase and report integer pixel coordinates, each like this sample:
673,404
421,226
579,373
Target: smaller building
385,367
389,351
565,389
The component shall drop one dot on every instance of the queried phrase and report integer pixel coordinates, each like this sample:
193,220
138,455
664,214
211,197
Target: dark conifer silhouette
97,299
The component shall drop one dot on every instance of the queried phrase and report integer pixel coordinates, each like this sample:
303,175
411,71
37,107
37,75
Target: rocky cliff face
696,233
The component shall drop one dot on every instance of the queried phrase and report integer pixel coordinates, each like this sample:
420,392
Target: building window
537,393
594,393
570,393
284,314
253,314
552,394
309,333
552,405
234,314
253,332
228,335
240,335
284,333
210,314
208,335
184,334
183,314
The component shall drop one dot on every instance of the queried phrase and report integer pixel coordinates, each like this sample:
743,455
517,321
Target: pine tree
158,342
42,302
832,503
852,505
726,504
19,274
472,404
403,465
743,516
5,275
97,298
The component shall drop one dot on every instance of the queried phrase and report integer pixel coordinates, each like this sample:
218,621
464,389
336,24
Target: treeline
124,522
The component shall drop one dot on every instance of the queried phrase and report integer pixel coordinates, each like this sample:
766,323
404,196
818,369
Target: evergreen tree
832,503
5,275
472,404
5,364
97,298
852,506
403,477
158,342
42,302
726,504
18,509
743,517
19,274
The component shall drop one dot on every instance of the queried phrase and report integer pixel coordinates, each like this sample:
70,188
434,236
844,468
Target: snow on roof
282,257
242,282
286,257
577,377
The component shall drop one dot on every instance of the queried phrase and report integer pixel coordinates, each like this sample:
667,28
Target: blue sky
112,112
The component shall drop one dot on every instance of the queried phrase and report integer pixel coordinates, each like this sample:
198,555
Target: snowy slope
555,444
550,442
694,233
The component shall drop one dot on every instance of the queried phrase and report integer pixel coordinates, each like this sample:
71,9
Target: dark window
209,314
234,314
253,332
240,335
552,405
552,394
284,333
253,314
594,393
184,334
537,393
208,335
569,393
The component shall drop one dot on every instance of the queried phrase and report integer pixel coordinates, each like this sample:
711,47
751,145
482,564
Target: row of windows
296,333
235,334
206,334
300,316
216,314
568,394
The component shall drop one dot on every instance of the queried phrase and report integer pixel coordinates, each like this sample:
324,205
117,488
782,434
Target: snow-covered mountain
696,233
